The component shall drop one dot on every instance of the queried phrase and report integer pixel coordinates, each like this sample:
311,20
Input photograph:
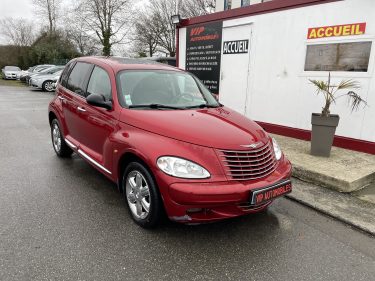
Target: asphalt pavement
63,220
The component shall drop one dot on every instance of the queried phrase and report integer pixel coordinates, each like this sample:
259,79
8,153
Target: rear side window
100,83
77,78
64,76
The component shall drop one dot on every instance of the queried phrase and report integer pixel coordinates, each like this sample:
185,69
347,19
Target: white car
10,72
45,82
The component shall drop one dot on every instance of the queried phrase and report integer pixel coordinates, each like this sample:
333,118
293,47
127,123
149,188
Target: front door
99,123
235,66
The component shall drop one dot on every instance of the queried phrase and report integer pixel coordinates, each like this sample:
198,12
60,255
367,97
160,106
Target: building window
353,56
245,3
227,4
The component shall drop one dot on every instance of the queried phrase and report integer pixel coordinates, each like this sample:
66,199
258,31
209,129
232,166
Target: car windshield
51,70
158,89
12,68
42,68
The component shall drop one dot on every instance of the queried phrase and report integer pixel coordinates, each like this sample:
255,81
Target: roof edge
254,9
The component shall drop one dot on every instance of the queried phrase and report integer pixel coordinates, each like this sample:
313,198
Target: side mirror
99,101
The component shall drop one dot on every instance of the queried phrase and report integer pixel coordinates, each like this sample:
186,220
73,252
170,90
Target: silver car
10,72
45,82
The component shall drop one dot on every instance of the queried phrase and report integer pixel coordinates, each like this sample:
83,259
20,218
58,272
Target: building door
235,66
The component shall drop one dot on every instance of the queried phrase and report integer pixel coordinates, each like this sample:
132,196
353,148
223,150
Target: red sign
336,30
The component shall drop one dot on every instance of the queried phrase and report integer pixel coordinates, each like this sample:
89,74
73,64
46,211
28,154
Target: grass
14,83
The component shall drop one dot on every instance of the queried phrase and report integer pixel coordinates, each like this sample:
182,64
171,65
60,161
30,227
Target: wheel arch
51,116
124,160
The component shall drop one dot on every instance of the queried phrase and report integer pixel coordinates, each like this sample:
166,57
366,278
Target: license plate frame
269,193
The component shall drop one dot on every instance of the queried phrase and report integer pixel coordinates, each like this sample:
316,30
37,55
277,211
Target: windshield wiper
154,106
203,105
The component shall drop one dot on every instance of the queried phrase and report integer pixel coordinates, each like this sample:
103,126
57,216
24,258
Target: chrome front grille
248,164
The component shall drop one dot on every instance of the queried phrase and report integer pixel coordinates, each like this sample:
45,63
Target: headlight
181,168
277,149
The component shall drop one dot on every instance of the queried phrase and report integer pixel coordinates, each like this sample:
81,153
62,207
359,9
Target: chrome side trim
70,144
93,161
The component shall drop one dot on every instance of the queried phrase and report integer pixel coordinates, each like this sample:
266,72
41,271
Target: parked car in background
206,162
37,69
24,73
46,81
10,72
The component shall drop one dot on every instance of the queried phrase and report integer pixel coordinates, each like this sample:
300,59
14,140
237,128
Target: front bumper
35,84
11,76
210,201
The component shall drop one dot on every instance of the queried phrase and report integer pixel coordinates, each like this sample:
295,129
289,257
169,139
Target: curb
343,207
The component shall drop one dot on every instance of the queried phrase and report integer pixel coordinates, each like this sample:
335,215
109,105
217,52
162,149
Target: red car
166,141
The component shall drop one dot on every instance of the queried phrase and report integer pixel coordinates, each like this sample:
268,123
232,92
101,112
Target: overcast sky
16,8
25,9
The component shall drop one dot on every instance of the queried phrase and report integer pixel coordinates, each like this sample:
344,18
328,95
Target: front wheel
58,142
48,86
142,195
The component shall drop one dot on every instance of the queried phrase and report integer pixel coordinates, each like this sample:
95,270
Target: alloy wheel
48,86
56,137
138,194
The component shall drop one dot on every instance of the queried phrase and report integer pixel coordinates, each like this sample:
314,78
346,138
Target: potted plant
324,124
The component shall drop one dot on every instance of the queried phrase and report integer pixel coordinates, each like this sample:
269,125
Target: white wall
219,5
280,92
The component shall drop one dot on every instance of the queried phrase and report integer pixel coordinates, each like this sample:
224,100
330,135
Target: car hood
220,128
11,72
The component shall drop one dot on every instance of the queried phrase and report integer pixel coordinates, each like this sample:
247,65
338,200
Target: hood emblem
253,145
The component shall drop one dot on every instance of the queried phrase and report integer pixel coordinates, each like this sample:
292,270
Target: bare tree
109,19
164,30
145,39
155,29
19,32
83,38
48,9
194,8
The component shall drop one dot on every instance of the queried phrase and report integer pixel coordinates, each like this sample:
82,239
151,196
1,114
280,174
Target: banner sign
236,47
336,30
203,53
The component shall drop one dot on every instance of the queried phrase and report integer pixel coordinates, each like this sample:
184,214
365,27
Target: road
62,220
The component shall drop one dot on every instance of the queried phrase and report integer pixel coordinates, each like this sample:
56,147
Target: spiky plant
330,93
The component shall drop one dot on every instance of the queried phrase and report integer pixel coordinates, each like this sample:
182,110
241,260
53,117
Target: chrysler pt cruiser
170,146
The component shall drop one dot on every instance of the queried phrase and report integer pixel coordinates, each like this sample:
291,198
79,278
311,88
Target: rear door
74,101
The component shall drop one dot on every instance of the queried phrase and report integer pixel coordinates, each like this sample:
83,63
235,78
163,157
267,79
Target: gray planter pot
322,134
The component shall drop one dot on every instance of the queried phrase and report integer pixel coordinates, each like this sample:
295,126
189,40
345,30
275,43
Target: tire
141,193
58,142
47,86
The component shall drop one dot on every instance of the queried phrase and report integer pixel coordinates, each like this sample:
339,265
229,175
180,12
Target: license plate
269,193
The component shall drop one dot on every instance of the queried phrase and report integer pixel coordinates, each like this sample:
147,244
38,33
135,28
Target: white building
260,58
222,5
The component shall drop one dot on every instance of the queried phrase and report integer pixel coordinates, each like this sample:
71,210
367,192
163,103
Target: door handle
61,98
81,109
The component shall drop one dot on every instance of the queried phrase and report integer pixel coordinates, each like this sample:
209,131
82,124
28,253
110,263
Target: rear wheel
142,195
48,86
58,142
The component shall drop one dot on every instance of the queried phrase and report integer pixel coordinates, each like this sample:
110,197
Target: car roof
161,58
121,63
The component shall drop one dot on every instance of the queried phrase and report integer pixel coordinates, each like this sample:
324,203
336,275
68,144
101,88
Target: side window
65,74
77,78
100,83
354,56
